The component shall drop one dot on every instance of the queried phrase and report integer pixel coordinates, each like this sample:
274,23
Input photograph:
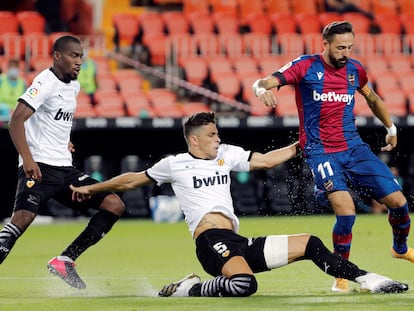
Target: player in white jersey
201,181
40,128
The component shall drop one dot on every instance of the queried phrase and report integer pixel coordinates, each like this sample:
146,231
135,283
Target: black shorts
215,247
55,184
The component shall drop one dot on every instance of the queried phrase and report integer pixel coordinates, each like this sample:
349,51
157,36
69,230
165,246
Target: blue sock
342,235
400,221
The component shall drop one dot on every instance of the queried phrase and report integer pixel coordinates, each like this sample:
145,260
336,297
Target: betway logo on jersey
332,97
64,115
210,181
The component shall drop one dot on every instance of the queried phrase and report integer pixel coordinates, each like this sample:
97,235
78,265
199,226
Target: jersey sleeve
292,72
160,172
37,92
239,159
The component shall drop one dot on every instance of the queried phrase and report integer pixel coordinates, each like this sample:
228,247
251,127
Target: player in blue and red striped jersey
325,86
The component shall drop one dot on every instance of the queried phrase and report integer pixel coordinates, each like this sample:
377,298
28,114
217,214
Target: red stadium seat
110,106
283,23
201,23
31,22
191,6
207,44
226,23
228,85
389,23
361,23
232,44
190,108
219,65
300,6
244,65
278,6
259,23
151,23
248,8
157,46
257,45
286,104
308,23
195,69
127,28
176,22
257,108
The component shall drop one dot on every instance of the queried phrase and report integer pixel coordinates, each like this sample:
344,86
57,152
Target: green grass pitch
128,267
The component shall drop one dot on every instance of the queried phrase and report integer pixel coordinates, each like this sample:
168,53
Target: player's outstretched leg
8,237
400,221
64,267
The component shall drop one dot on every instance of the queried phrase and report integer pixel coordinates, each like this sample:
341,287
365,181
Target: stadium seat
228,85
385,82
246,84
278,6
247,8
361,107
37,45
10,24
84,108
151,23
208,44
228,6
169,111
39,63
406,6
182,44
389,44
361,23
308,23
300,6
385,6
195,69
13,45
106,82
406,82
31,22
231,44
129,83
111,106
257,45
102,64
290,44
244,65
389,23
259,23
257,108
137,104
190,108
191,6
269,64
326,18
217,66
283,23
162,97
396,102
365,45
286,104
127,29
313,43
400,64
176,22
407,22
226,23
157,47
201,23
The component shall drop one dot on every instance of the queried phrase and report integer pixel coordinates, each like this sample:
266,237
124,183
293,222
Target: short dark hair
336,28
62,42
197,120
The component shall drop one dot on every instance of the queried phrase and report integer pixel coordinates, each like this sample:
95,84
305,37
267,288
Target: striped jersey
202,186
325,98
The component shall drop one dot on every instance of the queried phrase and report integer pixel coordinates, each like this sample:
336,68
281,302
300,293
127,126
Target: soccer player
200,179
325,95
40,128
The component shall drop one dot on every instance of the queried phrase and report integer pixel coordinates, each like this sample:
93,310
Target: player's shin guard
400,222
98,226
342,235
239,285
329,263
8,236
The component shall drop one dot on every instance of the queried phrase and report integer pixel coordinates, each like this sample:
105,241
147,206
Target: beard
338,63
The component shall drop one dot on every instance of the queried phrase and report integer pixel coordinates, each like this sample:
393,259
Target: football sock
342,235
98,226
400,221
332,264
239,285
8,236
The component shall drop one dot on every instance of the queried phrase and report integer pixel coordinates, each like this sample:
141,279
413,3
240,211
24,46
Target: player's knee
242,285
113,203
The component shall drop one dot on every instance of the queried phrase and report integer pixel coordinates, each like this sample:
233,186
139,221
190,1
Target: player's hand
71,147
80,193
268,98
32,170
391,142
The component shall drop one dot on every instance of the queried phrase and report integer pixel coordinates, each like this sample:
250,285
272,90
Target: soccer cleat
180,288
340,286
376,283
409,255
64,267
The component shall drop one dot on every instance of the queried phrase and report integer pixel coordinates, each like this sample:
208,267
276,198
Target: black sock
98,226
330,263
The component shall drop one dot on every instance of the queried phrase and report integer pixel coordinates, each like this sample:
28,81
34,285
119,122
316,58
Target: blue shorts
358,167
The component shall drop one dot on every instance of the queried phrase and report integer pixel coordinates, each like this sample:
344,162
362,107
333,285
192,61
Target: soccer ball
165,208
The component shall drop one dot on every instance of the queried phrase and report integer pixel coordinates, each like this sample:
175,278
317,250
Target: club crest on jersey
328,185
351,79
220,162
33,92
30,183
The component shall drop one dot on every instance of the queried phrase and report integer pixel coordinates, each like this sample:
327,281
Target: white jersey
202,186
48,129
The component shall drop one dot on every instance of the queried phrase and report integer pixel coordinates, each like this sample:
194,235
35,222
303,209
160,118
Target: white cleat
180,288
376,283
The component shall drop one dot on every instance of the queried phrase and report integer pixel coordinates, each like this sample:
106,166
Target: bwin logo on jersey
332,97
210,181
65,116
